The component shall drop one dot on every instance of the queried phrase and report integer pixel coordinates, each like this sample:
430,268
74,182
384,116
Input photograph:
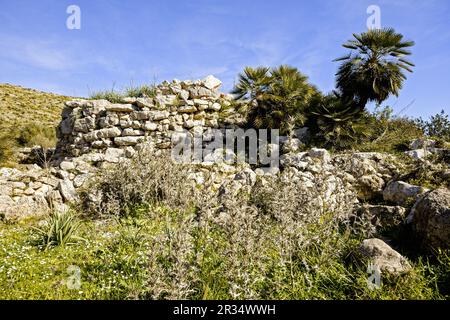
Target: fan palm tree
376,69
276,97
336,121
252,83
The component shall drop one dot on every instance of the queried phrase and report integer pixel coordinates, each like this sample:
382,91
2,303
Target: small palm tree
337,122
375,70
276,97
252,83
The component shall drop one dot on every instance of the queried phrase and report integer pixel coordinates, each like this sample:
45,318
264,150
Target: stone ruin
111,130
94,134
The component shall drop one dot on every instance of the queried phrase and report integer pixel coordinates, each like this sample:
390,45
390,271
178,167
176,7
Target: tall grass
117,96
275,240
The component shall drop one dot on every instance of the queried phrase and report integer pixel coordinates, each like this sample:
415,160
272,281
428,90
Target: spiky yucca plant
59,230
276,97
374,69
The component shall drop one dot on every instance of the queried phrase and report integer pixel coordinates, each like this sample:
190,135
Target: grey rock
212,82
67,190
384,257
145,103
84,125
108,121
267,171
67,165
140,115
132,132
383,216
108,133
150,126
196,92
158,115
292,145
128,141
113,155
294,160
418,154
430,218
421,144
248,176
187,109
215,106
321,154
401,192
116,107
80,180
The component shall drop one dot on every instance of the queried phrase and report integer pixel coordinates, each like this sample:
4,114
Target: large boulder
13,210
400,192
430,218
381,255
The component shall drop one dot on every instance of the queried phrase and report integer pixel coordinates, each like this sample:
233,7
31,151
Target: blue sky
134,42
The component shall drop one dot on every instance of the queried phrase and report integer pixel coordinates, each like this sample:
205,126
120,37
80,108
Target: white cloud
44,54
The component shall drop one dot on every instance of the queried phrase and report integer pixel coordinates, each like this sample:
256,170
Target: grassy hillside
27,117
20,106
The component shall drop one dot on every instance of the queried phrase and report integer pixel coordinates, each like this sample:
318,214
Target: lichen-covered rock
321,154
430,218
380,254
113,155
67,190
400,192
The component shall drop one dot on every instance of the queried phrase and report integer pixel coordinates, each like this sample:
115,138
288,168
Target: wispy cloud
44,54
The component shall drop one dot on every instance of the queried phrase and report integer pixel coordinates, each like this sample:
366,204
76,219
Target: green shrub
387,133
31,135
438,126
6,149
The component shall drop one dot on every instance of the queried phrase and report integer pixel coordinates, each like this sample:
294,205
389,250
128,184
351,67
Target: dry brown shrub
148,178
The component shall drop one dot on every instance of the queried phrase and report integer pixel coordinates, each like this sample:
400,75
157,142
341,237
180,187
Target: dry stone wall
114,130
